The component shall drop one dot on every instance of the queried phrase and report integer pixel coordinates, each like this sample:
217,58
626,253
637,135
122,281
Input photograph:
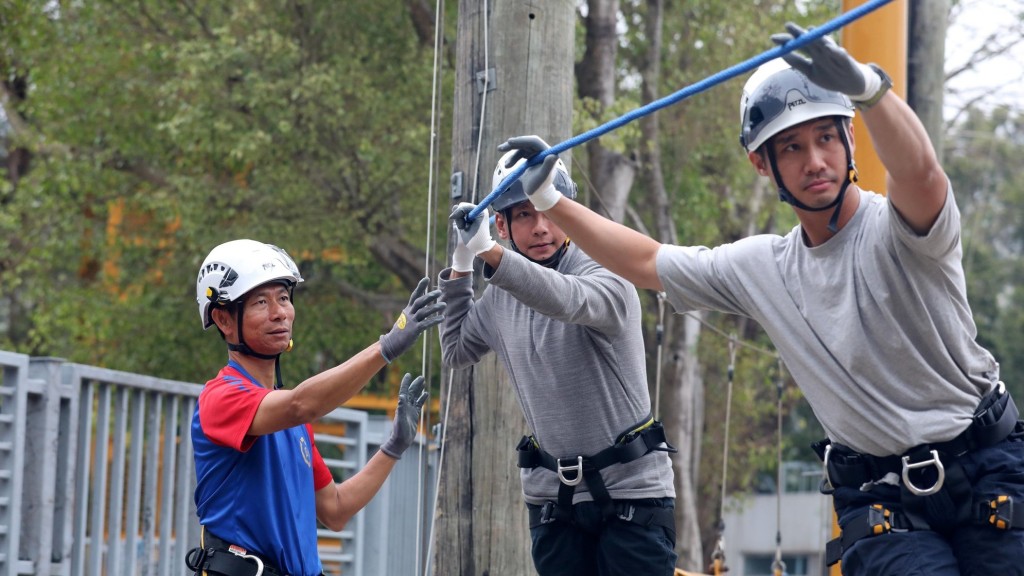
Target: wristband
885,83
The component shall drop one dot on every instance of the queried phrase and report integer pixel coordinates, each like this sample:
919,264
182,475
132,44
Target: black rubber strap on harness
873,521
639,441
216,558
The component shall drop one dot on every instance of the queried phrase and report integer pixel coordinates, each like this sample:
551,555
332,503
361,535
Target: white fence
97,477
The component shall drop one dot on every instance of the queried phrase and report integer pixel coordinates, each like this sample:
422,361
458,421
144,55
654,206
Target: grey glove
422,312
538,180
411,397
832,68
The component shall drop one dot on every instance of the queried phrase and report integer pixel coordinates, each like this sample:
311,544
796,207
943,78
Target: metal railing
97,476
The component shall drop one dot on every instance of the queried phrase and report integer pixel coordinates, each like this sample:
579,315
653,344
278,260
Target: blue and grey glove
472,238
422,312
538,180
829,66
411,397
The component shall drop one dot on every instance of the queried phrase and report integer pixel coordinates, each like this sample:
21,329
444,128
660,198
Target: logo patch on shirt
304,448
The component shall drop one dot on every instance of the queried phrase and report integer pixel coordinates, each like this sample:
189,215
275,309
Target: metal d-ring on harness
994,420
640,440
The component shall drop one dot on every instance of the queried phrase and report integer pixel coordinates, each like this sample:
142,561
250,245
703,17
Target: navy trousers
593,546
970,549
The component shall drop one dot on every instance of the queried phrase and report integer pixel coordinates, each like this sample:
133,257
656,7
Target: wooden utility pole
514,76
926,55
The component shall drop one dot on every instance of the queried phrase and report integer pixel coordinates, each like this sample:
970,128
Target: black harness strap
874,521
638,441
217,557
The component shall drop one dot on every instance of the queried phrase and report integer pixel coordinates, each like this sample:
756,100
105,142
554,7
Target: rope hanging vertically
713,80
778,566
424,423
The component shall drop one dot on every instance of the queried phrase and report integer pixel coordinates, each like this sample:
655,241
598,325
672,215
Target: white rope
778,566
483,106
660,337
440,467
431,191
473,195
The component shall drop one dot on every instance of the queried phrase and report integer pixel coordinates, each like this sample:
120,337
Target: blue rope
717,78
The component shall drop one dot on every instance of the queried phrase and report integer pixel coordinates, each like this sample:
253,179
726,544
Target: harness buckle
826,481
1001,512
577,468
879,519
933,461
241,553
628,516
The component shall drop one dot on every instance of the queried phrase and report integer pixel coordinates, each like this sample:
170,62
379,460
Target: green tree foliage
158,130
983,163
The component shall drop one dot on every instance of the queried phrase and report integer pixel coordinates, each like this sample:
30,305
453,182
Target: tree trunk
611,173
481,524
683,391
926,55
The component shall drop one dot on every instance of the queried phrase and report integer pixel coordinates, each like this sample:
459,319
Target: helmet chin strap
549,262
851,177
243,348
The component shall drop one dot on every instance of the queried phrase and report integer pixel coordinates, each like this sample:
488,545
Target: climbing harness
219,558
638,441
935,493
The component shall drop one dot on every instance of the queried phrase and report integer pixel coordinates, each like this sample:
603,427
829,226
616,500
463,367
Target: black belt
642,439
993,420
218,556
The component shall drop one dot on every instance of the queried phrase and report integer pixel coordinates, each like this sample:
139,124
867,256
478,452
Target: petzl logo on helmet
229,278
794,103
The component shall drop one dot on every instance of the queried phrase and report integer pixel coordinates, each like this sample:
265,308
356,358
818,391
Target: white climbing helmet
777,97
236,267
515,194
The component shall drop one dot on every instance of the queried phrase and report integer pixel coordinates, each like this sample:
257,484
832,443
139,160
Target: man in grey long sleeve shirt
568,332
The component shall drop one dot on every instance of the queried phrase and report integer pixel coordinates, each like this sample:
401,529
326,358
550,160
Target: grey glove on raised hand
472,238
411,397
422,312
537,180
829,66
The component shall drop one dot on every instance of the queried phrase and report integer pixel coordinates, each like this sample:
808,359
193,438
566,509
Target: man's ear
759,163
224,318
501,225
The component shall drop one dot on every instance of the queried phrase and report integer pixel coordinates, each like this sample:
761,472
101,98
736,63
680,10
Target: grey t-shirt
570,340
874,324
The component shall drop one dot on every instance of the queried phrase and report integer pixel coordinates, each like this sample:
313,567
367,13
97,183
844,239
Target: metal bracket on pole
456,186
486,80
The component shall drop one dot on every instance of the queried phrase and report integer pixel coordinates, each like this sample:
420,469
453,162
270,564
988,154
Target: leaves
157,130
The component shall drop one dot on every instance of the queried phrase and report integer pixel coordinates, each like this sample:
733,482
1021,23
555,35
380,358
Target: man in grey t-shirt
596,475
866,302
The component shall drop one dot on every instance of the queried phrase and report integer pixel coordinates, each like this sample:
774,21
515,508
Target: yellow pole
879,37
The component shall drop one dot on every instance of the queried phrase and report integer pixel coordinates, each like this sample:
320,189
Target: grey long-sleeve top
570,340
